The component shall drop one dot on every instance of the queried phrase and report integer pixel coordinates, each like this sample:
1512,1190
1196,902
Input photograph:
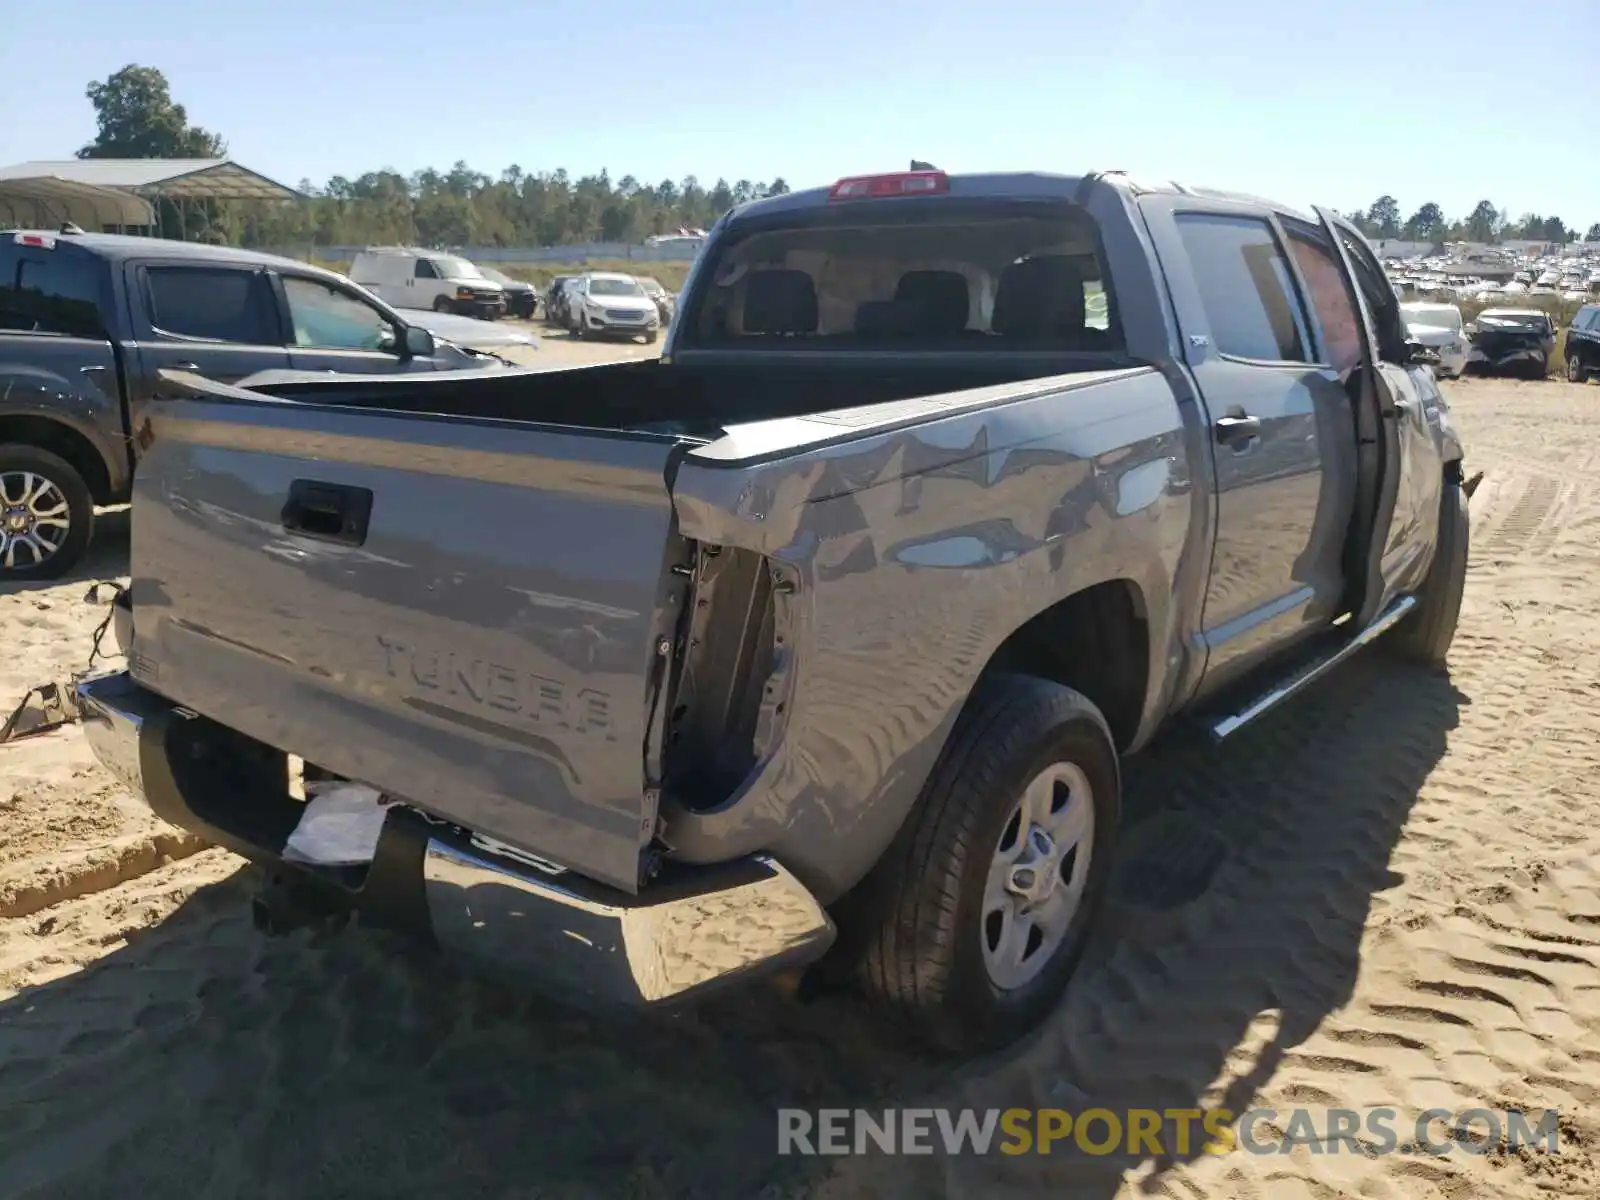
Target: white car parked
1439,327
430,279
605,305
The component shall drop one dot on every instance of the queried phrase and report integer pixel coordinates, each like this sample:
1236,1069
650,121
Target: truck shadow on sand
202,1059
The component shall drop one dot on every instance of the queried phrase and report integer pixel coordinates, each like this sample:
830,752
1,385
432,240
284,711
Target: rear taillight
903,183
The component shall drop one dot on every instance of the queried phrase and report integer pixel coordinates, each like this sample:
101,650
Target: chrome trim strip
1277,695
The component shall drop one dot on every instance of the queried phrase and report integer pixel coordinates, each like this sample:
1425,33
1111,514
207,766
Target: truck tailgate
463,613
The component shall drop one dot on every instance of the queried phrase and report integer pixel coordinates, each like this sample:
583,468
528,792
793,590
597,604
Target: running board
1313,671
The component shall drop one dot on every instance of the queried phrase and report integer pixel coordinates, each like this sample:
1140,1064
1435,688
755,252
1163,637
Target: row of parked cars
1510,341
602,304
594,304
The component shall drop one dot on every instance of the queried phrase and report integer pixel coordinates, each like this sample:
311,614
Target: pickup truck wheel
1575,371
1425,635
46,514
980,910
441,304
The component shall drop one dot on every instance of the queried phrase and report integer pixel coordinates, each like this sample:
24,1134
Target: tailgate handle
329,512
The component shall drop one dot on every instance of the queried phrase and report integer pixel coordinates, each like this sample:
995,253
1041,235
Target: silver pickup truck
823,636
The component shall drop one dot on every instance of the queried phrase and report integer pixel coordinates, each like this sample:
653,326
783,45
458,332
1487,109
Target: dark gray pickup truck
822,637
86,322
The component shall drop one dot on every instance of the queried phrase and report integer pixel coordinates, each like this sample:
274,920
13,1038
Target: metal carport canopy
42,201
92,182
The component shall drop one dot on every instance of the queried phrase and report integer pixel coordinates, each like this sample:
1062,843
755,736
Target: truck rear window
918,275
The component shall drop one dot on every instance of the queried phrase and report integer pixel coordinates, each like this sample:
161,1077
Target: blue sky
1308,102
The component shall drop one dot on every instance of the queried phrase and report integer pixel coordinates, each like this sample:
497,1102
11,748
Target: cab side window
1250,299
425,270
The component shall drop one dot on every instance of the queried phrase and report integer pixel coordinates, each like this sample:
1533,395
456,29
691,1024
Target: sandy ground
557,347
1396,902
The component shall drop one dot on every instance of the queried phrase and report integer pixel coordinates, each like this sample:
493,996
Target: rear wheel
1425,635
977,915
46,514
1575,371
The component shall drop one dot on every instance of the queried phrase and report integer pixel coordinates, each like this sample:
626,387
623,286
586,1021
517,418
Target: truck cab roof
1011,185
123,247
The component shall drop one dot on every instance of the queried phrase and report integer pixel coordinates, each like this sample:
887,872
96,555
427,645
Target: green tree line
463,207
137,117
1485,223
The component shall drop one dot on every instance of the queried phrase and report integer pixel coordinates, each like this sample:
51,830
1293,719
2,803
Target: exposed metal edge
1277,695
1471,486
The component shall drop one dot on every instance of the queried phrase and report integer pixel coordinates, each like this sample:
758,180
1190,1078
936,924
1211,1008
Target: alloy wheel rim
35,519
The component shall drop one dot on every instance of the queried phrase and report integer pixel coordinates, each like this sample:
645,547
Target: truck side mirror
418,342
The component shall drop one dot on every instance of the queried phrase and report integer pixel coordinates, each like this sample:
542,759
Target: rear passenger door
216,319
1281,435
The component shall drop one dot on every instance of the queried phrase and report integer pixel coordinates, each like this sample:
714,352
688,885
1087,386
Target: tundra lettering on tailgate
499,688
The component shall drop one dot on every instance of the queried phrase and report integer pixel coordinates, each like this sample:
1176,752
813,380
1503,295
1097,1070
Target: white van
428,279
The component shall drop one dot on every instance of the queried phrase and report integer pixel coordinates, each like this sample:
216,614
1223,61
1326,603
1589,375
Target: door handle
1236,428
185,366
328,512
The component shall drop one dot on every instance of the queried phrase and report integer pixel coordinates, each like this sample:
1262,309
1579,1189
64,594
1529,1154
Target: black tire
1425,635
917,921
650,338
80,511
1575,371
441,304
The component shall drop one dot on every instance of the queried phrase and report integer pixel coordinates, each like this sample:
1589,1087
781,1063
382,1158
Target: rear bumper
611,330
683,936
